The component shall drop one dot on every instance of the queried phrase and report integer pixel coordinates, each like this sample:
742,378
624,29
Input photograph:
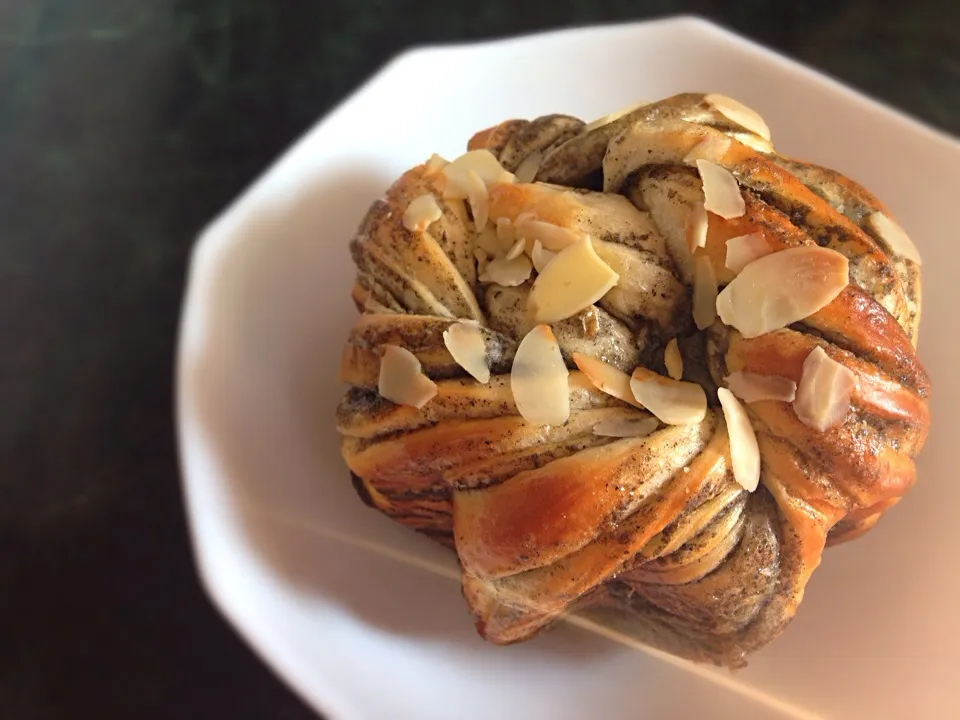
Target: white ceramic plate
362,617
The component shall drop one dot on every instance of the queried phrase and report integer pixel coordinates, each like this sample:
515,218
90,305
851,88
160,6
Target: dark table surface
124,126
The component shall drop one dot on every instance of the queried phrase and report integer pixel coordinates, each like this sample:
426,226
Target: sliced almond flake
606,378
754,387
402,380
505,232
527,170
720,191
457,182
486,165
540,256
894,236
483,163
508,273
626,427
464,341
575,279
704,293
712,148
674,402
552,237
487,240
673,360
744,249
421,212
607,119
434,165
782,288
823,395
739,113
744,452
478,199
590,322
517,249
697,224
539,379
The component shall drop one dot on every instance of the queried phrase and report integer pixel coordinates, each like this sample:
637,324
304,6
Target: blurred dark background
124,127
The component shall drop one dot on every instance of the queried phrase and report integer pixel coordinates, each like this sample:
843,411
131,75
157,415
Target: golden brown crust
652,533
542,515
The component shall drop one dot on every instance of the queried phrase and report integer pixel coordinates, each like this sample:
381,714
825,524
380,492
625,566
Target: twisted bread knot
611,510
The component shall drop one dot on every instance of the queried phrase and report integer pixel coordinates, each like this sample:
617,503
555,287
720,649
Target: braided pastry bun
644,367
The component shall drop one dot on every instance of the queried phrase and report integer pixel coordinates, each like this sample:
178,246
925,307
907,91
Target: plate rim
208,235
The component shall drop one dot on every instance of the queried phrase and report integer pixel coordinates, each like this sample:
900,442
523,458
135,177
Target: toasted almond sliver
675,402
744,249
782,288
482,260
508,273
626,427
402,380
673,360
590,322
720,191
744,452
540,256
753,387
488,241
606,378
434,165
739,113
539,380
464,341
478,199
697,224
823,395
505,233
712,147
483,162
456,182
552,237
574,280
704,293
516,249
421,212
894,236
527,170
